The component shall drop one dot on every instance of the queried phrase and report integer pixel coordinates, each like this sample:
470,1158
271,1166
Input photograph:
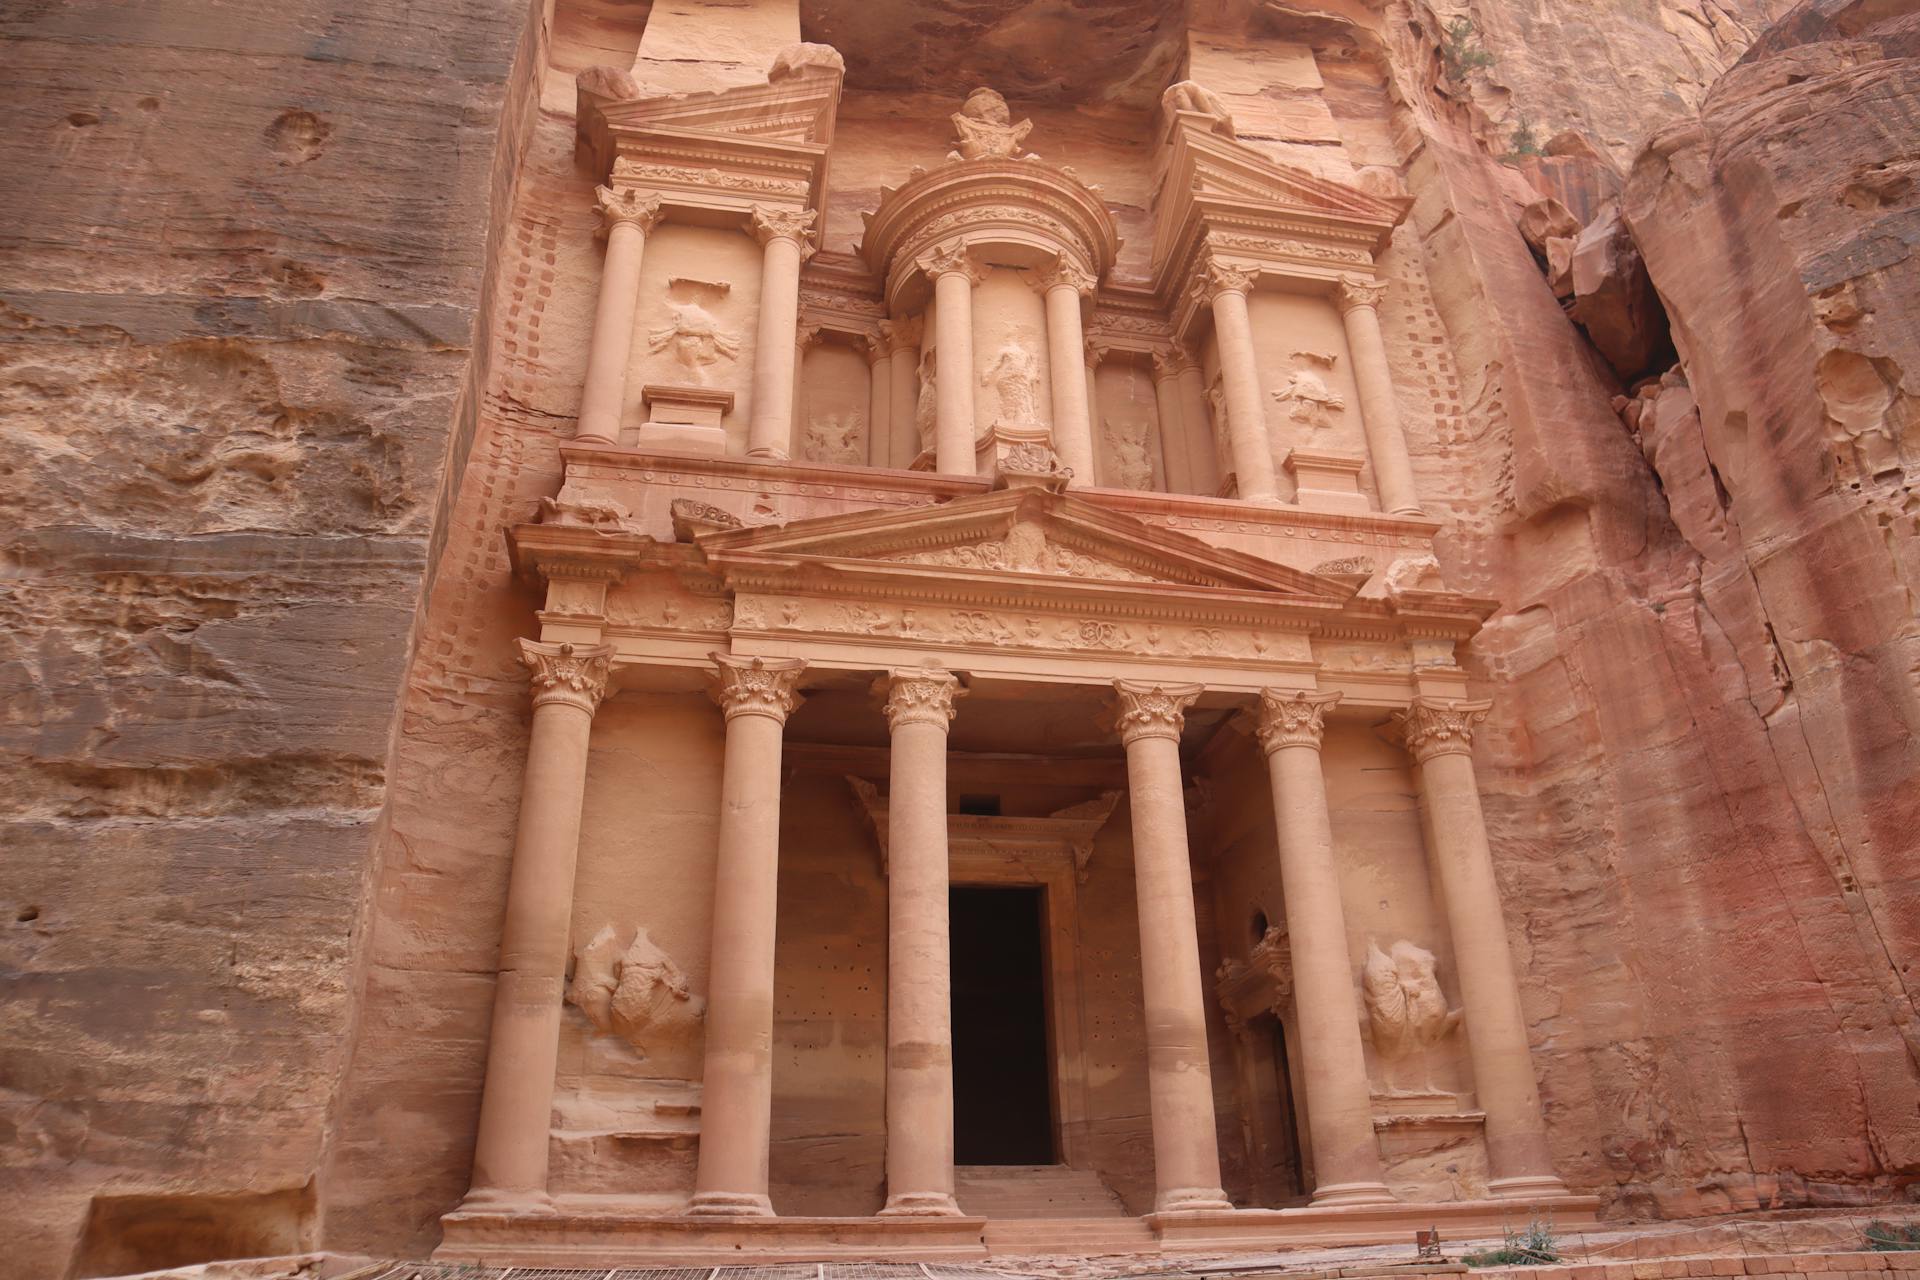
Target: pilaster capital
875,346
951,258
806,337
1440,726
1216,277
921,695
776,222
629,207
1358,291
902,334
1097,350
1293,718
1065,273
574,675
1170,362
756,686
1146,710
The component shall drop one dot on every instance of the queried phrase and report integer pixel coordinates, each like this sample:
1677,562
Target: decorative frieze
1293,718
1144,710
573,675
756,686
1440,726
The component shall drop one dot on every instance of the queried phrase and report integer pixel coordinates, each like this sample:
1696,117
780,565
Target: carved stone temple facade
997,734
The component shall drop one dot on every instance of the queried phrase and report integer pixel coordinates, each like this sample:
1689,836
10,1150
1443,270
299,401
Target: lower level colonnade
756,696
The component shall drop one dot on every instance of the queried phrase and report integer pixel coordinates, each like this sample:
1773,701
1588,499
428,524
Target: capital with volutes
1216,277
1097,350
1293,718
756,686
1146,710
1440,726
951,258
567,674
1359,291
626,206
775,222
921,696
1170,362
1065,273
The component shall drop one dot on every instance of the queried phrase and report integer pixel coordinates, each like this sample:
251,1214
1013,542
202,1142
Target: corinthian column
1064,285
516,1105
1439,733
954,275
1359,301
736,1107
625,218
1346,1157
919,987
1186,1152
879,352
783,233
1225,288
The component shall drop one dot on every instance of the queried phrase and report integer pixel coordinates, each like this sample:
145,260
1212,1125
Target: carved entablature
719,152
1066,835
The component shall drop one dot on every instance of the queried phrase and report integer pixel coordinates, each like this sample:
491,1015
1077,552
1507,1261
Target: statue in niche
926,410
1132,463
1313,401
1015,378
836,438
983,129
638,994
1406,1009
694,339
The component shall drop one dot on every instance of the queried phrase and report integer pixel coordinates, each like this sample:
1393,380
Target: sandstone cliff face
239,274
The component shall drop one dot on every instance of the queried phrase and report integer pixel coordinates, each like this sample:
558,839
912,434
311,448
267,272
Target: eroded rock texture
239,271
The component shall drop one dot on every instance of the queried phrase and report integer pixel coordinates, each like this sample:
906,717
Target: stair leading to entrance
1034,1191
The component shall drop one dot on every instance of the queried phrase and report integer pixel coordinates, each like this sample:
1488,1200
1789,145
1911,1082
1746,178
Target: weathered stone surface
1613,298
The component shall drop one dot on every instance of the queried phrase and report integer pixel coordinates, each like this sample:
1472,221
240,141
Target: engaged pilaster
919,985
1064,285
1359,301
1439,733
879,353
1225,289
783,234
1186,1153
625,219
757,694
1339,1105
954,275
516,1103
1175,431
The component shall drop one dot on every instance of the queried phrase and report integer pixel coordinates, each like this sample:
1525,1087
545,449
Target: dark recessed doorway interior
1002,1078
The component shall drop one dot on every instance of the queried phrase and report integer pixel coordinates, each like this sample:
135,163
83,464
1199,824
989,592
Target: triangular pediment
1028,535
1225,167
797,107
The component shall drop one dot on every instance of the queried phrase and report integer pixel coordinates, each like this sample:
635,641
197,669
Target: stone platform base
1363,1223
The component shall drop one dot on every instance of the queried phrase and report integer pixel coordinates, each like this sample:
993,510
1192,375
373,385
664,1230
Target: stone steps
998,1192
1083,1237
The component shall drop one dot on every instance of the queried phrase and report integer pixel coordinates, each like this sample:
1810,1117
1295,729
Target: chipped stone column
1063,286
954,275
1346,1155
1186,1153
1439,733
736,1108
1359,301
626,217
1174,444
919,986
1225,289
516,1104
783,233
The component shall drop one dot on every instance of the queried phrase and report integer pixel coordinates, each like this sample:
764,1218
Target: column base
1352,1193
1407,511
767,453
503,1200
1529,1186
729,1204
921,1204
1192,1200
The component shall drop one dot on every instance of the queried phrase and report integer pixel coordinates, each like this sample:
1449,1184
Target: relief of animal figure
637,993
1406,1009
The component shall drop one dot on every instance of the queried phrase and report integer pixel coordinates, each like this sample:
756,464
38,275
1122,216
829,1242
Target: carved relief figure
694,338
837,438
1405,1007
595,513
1190,95
984,129
1414,573
926,410
1015,378
1127,454
1313,401
638,994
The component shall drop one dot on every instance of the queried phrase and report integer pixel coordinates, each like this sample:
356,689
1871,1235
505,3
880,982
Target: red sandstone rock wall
240,266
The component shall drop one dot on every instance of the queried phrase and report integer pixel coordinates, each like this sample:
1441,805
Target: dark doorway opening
1002,1080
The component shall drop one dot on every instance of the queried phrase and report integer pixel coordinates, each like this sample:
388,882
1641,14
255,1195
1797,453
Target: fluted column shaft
516,1103
1226,289
919,982
736,1108
1359,302
1173,425
1439,733
1064,286
627,218
1186,1153
954,276
783,233
1346,1155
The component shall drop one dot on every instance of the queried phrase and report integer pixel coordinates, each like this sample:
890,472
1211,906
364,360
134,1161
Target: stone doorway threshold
601,1235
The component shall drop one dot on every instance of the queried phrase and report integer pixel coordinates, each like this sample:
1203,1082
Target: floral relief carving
1217,277
917,696
566,673
1292,718
756,686
1359,291
626,206
685,176
1440,726
1291,248
1145,710
772,222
